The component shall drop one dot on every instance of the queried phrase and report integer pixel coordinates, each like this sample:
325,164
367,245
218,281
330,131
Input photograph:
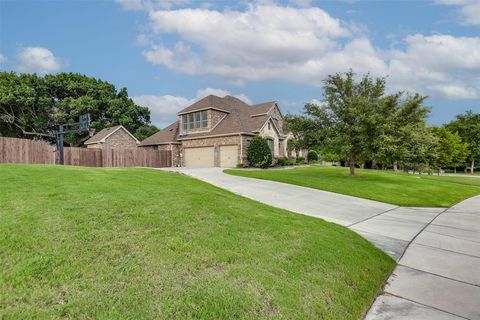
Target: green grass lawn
93,243
395,188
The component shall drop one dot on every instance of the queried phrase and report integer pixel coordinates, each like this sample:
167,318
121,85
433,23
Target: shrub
239,165
301,160
259,154
283,161
312,156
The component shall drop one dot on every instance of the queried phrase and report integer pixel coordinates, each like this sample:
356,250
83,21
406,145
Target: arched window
270,144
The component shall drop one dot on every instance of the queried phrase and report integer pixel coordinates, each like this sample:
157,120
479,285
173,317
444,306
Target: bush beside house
259,154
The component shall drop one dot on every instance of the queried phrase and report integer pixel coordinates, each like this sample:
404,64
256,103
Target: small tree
259,154
312,156
467,126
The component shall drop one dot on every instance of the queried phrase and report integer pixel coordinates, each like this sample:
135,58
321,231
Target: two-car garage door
205,156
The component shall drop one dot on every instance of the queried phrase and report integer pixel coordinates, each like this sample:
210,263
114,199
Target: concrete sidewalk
437,250
438,276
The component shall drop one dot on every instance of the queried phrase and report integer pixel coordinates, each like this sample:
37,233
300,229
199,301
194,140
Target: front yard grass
93,243
396,188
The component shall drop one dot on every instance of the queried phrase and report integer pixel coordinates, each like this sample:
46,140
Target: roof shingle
240,118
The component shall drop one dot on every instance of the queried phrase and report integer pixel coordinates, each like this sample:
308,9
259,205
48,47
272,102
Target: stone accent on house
215,142
277,117
269,132
117,140
282,148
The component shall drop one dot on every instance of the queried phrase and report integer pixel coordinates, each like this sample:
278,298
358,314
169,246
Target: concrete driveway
437,250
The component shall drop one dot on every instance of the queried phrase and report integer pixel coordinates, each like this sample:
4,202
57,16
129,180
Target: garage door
228,156
199,157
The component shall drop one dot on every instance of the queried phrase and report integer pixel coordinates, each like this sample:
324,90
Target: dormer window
195,120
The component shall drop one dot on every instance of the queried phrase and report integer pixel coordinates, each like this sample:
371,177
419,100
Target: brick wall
118,140
215,142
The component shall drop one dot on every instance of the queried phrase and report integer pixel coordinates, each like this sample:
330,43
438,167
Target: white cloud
468,10
2,58
440,64
164,108
37,59
255,44
137,5
303,45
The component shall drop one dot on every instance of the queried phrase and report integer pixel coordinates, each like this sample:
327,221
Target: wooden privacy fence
13,150
117,157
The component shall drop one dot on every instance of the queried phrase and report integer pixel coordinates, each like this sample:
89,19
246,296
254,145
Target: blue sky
169,53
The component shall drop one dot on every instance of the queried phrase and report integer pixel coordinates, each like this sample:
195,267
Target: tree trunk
473,164
352,165
395,166
455,170
439,169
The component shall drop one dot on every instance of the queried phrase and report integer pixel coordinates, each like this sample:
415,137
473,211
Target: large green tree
30,104
348,119
467,126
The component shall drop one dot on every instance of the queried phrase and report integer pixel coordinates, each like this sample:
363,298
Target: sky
171,53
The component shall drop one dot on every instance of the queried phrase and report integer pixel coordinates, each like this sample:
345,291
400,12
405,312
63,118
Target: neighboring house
215,132
114,137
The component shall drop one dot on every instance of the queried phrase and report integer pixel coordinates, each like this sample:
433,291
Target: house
117,137
215,132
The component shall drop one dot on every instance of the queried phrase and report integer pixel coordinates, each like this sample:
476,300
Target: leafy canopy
467,126
30,103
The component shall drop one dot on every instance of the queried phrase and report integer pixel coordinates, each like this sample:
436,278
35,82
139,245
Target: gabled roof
103,134
164,136
261,108
209,102
239,118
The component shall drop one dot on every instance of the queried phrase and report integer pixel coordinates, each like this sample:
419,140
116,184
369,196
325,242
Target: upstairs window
194,120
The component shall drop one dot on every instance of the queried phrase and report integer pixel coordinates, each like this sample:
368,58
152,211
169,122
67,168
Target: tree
467,126
349,118
33,104
145,131
450,149
422,149
258,153
403,116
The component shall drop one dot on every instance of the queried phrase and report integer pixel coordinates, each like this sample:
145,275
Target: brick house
114,137
215,132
